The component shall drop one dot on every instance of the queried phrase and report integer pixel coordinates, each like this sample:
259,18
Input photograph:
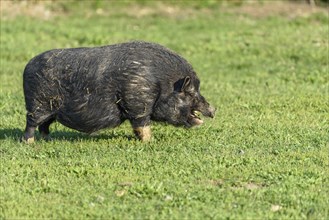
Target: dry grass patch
48,9
12,9
276,8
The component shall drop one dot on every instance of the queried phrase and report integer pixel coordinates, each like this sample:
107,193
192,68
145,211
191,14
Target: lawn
264,155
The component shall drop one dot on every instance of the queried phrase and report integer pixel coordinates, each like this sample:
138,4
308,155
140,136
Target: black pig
88,89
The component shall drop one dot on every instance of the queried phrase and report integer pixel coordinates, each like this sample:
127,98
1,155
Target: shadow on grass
16,134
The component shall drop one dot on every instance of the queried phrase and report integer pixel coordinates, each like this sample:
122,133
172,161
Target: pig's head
184,105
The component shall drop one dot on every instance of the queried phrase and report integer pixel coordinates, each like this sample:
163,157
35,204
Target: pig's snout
211,112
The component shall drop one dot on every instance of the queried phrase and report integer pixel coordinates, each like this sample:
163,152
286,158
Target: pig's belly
89,118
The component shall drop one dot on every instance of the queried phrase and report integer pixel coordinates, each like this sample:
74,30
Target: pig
88,89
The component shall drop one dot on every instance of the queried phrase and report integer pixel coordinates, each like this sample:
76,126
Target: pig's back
95,61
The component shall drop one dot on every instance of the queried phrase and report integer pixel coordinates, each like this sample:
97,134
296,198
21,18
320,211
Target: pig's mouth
194,118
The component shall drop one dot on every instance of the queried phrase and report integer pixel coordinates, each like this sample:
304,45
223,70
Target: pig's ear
183,84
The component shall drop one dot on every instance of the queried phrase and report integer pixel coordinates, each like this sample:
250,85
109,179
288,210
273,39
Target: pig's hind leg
44,128
28,136
30,128
34,120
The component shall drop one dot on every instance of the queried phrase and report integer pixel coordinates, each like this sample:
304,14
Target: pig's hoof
28,140
143,133
45,137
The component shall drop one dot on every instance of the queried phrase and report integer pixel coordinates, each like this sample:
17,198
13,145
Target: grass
265,155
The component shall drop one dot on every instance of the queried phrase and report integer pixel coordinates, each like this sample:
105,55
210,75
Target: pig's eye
194,95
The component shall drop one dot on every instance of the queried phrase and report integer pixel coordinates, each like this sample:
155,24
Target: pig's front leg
142,129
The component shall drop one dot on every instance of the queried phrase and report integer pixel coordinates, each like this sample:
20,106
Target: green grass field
264,156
